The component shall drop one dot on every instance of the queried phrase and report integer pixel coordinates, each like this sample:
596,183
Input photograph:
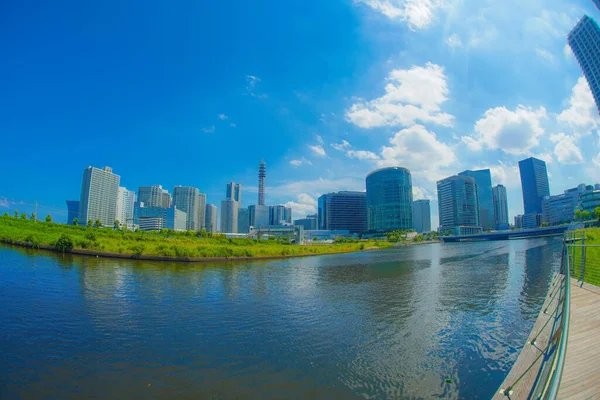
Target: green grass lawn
590,257
170,243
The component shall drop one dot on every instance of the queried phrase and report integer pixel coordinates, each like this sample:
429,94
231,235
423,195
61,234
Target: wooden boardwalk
521,385
581,376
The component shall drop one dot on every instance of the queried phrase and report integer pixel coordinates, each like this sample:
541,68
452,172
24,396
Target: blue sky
196,93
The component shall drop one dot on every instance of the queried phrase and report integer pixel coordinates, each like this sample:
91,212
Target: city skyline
335,119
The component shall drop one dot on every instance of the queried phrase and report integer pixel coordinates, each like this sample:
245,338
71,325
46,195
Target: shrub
91,236
137,249
64,244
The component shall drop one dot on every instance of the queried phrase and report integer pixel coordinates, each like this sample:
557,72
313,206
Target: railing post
582,258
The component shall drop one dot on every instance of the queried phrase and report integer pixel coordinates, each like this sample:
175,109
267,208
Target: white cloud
506,175
418,150
362,155
251,82
411,95
568,53
341,146
416,13
304,205
210,129
318,150
320,139
453,41
596,160
546,56
567,152
545,156
582,115
514,132
4,202
223,117
302,161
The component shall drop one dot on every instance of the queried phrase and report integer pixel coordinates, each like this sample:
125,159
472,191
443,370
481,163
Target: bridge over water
505,235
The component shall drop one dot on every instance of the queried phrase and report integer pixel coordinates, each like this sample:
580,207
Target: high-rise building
280,215
500,207
259,215
534,182
166,201
262,176
597,3
584,40
99,191
483,179
243,220
458,204
343,211
389,199
157,218
73,212
229,216
211,218
125,203
193,203
154,196
309,223
518,221
421,216
234,191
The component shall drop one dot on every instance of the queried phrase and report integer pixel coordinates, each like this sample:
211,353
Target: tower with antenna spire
262,175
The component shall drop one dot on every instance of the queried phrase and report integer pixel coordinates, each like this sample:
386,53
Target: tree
64,243
585,215
98,223
577,215
16,213
596,212
544,224
32,217
75,221
48,218
90,223
116,224
23,216
6,214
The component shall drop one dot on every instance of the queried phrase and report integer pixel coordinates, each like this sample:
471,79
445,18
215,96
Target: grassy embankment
170,244
592,256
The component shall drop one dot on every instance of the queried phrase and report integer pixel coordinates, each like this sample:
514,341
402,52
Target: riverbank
187,246
590,258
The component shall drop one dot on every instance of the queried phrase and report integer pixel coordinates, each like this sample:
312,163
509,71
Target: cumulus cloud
582,115
223,117
362,155
304,205
209,129
514,132
302,161
341,146
411,95
504,174
567,152
318,150
320,139
418,149
568,53
417,14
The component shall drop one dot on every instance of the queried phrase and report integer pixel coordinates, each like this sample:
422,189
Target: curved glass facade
389,199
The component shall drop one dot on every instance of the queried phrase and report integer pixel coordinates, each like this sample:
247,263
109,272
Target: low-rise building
309,223
157,218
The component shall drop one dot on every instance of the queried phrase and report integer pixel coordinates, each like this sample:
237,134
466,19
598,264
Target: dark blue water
385,324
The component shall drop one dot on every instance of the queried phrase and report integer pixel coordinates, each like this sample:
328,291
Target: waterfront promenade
561,356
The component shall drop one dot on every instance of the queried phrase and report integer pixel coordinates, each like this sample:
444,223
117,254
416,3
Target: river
428,321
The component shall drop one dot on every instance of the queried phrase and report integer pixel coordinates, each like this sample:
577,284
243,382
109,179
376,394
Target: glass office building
534,182
458,203
483,179
500,207
422,216
343,211
584,40
389,199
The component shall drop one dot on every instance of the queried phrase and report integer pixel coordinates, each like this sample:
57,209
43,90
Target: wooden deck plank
581,376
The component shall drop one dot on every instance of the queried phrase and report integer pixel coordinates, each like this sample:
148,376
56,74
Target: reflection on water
386,324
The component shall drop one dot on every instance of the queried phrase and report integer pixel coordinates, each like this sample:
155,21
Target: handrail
562,347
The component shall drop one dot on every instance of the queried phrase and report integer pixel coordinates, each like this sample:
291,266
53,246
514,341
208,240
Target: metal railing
552,352
585,258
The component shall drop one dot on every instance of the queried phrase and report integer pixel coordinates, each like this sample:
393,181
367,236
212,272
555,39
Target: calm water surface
385,324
